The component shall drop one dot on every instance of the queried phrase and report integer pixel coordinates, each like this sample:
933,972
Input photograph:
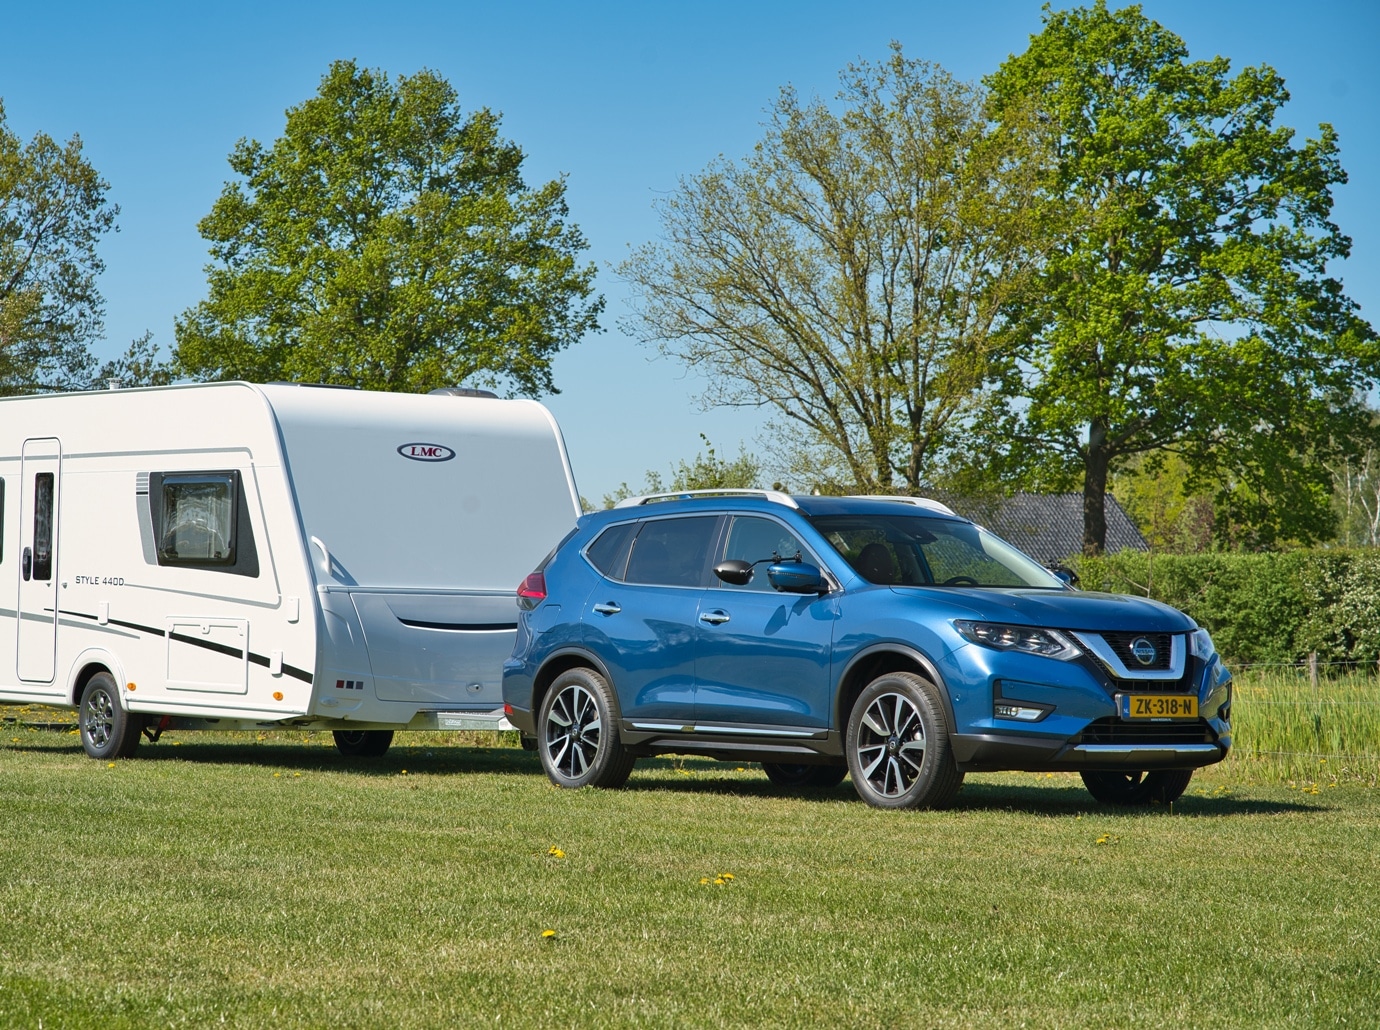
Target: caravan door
38,516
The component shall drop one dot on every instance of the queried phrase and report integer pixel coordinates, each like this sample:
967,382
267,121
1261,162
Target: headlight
1048,642
1200,644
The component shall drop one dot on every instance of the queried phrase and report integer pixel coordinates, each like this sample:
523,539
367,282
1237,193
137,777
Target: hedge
1260,608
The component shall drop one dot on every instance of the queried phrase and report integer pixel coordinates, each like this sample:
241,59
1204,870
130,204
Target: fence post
1313,667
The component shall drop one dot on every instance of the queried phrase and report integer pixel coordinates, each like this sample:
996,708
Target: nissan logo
1144,651
426,452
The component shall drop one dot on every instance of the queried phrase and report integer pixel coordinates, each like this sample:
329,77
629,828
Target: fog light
1018,712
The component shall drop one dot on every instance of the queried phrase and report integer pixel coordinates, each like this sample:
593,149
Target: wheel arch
564,661
90,662
878,660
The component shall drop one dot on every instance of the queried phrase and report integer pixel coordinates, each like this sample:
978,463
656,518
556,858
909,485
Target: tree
849,272
388,241
1183,302
53,212
706,472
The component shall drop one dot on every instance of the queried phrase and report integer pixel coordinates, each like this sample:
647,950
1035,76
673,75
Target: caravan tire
363,743
108,730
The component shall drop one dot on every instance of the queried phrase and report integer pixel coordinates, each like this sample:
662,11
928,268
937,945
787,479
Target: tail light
532,591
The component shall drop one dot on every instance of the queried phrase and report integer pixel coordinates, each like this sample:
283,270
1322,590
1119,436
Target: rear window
609,552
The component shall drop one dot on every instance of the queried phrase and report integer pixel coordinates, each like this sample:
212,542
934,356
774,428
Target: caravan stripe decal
209,645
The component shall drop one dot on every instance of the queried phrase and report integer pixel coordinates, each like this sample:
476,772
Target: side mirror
796,577
734,571
1063,572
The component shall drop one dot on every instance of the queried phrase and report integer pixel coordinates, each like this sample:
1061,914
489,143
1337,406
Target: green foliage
706,472
388,241
848,273
1261,608
1183,301
53,212
138,366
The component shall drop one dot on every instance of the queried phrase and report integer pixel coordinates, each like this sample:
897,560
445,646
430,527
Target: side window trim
150,494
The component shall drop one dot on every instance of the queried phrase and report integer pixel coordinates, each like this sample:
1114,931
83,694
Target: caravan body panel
271,554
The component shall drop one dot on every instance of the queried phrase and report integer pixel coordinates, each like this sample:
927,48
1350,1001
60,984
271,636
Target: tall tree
387,240
848,273
1184,302
53,212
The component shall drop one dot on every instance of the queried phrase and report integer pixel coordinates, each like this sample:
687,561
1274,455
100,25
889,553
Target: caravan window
43,526
198,520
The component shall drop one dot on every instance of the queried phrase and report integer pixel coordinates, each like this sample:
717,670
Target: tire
577,733
1137,788
528,743
107,729
363,743
804,777
898,747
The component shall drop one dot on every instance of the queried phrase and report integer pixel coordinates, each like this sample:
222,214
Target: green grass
270,882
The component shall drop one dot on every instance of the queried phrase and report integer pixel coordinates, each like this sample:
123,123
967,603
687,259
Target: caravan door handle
26,563
608,608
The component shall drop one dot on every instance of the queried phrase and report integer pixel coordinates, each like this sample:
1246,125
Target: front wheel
791,776
108,730
577,733
363,743
1137,788
897,746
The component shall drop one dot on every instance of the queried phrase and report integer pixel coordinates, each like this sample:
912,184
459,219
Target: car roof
768,501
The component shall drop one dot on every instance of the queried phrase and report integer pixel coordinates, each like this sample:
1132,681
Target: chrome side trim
739,731
1178,652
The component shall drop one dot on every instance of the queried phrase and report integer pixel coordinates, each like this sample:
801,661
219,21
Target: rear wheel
791,776
1137,788
107,729
363,743
577,733
897,746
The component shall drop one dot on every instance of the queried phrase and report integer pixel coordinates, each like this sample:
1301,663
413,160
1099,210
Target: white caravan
233,556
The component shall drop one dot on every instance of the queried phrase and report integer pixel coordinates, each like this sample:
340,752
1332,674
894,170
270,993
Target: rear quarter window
609,551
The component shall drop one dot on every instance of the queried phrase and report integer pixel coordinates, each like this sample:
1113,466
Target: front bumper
992,752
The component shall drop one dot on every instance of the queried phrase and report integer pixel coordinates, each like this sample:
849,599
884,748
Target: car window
609,551
672,552
752,540
904,550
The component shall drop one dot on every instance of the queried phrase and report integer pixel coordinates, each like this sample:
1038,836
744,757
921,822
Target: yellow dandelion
546,935
110,765
1106,838
704,879
276,775
726,876
719,881
555,852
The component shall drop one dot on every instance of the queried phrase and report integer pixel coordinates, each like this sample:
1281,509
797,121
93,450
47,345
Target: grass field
264,880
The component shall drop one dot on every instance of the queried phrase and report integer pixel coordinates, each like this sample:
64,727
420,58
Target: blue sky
622,98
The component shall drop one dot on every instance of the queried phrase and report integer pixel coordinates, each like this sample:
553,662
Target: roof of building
1048,527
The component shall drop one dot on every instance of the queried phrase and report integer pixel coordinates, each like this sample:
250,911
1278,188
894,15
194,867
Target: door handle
26,563
607,608
715,618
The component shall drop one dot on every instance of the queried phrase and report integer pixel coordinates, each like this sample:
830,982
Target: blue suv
883,638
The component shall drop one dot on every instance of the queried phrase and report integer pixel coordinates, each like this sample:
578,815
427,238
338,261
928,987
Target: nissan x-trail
886,639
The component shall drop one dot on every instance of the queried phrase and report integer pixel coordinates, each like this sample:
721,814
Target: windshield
909,550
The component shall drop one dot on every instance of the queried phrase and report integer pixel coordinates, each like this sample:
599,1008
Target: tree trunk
1095,465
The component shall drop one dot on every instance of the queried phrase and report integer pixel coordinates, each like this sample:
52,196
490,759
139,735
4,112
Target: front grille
1118,731
1121,644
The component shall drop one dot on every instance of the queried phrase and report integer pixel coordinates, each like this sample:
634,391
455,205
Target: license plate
1159,706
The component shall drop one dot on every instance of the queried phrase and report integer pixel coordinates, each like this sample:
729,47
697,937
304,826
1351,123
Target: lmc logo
426,452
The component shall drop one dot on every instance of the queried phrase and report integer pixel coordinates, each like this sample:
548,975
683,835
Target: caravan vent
141,484
460,391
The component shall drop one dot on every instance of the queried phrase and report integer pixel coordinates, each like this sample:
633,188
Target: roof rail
921,502
684,495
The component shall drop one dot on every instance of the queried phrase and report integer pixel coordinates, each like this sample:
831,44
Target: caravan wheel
363,743
107,729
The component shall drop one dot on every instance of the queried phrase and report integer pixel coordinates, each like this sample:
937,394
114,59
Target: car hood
1068,609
